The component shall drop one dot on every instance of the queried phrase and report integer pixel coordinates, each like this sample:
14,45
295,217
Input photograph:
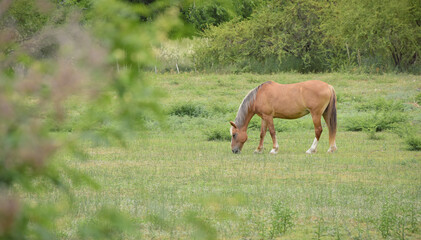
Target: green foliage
30,16
397,220
189,109
314,36
81,4
218,134
204,14
413,142
410,134
381,104
390,36
244,8
382,115
378,121
210,14
387,220
418,98
282,219
42,69
277,35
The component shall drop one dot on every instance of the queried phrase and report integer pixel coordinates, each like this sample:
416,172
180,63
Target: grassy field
175,183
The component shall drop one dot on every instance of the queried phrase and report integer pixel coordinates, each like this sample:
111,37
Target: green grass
176,184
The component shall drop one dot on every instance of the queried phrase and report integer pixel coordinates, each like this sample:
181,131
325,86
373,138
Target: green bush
378,121
189,109
381,104
414,143
387,115
218,134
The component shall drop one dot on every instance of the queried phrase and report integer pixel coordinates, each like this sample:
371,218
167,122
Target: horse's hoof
332,150
257,151
273,151
311,151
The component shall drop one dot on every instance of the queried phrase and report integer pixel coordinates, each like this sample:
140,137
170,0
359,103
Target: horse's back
316,94
292,100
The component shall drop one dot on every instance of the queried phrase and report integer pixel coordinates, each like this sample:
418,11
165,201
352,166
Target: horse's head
238,138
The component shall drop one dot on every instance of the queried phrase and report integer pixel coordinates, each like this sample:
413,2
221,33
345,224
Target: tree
282,30
381,32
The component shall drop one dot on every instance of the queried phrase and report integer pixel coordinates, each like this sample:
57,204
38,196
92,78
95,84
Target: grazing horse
288,101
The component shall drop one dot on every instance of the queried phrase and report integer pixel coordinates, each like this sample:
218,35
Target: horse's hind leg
332,133
263,130
318,131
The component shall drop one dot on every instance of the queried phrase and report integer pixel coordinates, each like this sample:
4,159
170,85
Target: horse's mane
245,106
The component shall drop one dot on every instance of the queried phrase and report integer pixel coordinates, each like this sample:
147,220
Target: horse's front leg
263,130
273,135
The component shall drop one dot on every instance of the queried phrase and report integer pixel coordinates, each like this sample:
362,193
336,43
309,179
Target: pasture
178,179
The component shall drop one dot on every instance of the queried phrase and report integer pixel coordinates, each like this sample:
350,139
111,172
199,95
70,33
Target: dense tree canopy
318,35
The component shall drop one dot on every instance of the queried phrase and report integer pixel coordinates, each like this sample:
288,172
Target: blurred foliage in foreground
51,53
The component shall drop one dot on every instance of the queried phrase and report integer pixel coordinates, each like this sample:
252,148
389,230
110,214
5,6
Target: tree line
317,36
266,36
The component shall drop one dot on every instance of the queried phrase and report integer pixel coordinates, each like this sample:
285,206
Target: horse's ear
233,124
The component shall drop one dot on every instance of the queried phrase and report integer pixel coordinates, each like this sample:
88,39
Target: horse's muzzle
236,151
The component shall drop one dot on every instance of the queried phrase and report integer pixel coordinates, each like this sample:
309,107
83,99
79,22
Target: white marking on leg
332,148
258,151
275,150
313,147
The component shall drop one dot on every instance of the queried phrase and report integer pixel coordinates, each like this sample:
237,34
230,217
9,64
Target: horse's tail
330,116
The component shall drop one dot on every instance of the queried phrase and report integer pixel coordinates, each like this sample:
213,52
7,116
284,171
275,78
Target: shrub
379,121
414,143
189,109
381,104
218,134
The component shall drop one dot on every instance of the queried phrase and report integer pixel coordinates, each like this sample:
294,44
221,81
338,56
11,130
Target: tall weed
397,220
282,219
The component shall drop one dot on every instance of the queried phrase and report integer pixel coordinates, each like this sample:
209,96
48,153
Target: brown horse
288,101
